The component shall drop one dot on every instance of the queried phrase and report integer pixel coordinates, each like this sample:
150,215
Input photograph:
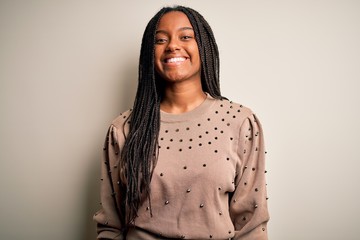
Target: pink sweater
209,181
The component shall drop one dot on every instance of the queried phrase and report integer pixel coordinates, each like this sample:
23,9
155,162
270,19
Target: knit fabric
208,183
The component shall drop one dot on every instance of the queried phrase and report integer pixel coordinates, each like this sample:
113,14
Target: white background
67,68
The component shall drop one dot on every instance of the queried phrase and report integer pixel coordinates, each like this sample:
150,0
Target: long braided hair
140,151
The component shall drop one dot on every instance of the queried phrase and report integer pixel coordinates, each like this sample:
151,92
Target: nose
173,45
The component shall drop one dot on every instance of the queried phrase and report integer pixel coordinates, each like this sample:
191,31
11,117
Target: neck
181,97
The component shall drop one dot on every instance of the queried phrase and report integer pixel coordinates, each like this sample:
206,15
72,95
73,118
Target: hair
140,151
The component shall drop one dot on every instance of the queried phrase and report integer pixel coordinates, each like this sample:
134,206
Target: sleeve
248,204
108,218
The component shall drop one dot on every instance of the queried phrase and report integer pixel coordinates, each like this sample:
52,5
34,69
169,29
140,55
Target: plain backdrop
67,68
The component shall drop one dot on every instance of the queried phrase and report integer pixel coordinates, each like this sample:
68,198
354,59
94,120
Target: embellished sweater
208,183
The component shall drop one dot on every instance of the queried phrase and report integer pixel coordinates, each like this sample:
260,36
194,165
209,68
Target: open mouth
175,60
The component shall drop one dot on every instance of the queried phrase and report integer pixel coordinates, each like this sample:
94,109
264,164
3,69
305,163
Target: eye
160,40
186,37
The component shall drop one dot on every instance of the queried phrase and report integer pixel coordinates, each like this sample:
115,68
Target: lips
174,60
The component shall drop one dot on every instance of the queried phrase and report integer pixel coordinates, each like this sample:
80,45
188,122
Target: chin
174,78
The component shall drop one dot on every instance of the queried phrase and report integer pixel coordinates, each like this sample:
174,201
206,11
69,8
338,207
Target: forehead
173,20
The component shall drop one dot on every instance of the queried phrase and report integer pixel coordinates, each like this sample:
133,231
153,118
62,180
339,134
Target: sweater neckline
204,107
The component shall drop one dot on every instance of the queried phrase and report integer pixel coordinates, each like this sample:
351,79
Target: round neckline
194,113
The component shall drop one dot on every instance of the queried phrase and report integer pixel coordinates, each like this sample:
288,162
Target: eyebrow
180,29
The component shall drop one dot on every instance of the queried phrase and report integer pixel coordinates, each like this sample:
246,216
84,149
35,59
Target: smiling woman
185,162
176,51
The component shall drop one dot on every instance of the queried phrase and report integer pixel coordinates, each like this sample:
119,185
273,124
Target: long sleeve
108,218
248,205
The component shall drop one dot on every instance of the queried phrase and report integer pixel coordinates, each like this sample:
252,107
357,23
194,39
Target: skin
177,61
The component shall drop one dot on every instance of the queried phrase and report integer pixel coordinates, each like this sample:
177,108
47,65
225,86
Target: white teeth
174,60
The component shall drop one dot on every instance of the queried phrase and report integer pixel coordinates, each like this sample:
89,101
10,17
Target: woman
184,163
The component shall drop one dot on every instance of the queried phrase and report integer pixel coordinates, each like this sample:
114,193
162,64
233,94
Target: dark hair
140,151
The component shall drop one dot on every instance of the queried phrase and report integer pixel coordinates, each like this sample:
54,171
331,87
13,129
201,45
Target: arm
108,219
248,205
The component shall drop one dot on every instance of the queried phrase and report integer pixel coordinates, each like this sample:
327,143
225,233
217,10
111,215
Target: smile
175,60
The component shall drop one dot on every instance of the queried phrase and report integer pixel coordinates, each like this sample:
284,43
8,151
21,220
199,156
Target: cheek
195,55
157,59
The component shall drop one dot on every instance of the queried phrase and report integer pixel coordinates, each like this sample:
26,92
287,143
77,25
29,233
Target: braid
208,51
140,151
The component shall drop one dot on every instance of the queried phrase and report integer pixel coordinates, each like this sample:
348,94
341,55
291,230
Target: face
176,51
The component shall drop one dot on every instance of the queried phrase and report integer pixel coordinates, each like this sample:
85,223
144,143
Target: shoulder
121,119
236,110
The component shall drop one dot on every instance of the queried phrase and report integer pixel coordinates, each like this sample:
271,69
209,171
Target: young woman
184,163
